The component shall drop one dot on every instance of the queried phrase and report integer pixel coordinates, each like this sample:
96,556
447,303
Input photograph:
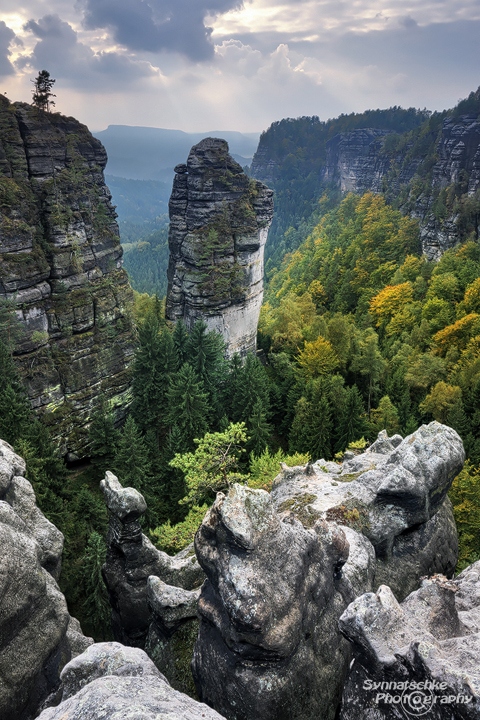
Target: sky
200,65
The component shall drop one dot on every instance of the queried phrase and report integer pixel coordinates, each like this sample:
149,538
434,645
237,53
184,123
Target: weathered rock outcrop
113,681
132,559
394,494
431,172
420,657
37,635
281,569
60,269
219,220
360,160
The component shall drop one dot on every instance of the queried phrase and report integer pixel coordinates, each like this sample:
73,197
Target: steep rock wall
60,269
432,173
414,176
219,221
37,635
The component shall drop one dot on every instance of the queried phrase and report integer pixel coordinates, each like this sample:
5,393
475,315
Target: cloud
408,22
7,37
159,25
59,49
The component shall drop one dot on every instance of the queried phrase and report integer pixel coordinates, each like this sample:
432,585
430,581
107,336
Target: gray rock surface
172,632
358,161
112,681
281,569
37,635
385,493
219,220
425,652
131,559
355,162
18,492
268,645
60,267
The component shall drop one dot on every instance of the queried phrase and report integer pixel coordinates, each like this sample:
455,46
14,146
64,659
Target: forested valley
359,332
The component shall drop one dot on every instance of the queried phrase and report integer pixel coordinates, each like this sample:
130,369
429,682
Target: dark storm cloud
59,49
155,25
7,36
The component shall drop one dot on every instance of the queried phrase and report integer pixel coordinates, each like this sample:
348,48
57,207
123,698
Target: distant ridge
148,153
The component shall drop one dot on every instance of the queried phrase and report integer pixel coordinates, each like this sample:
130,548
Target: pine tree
312,427
259,430
15,413
155,361
248,384
214,465
42,93
206,352
187,406
132,464
180,340
351,419
103,438
458,420
96,603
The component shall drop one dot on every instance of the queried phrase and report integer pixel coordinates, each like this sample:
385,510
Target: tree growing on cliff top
42,91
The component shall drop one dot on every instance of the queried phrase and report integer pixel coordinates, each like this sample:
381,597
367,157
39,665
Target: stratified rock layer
281,569
37,635
421,172
60,269
219,220
361,160
417,658
113,681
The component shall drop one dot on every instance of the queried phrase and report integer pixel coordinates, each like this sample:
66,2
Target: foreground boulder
282,568
37,634
268,645
113,681
420,657
172,632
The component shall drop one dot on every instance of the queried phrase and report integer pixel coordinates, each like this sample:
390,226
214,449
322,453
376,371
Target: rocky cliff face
432,172
431,180
60,269
132,558
37,634
354,162
417,658
281,569
219,221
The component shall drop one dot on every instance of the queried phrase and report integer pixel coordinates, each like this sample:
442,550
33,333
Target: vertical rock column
219,220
